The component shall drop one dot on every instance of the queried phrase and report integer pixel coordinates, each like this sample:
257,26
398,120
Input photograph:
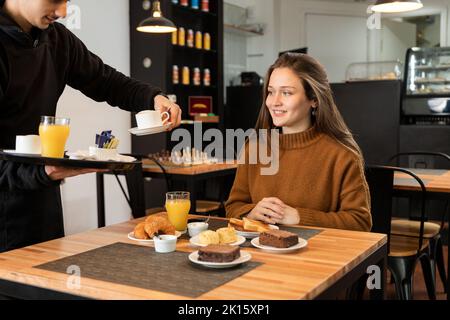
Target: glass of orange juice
53,133
178,205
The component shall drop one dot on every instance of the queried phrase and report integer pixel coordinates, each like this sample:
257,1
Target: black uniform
34,70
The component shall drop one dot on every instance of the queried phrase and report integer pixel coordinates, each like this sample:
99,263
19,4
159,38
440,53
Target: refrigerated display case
426,93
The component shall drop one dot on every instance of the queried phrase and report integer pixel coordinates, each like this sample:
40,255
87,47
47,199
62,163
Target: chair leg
439,258
427,267
402,270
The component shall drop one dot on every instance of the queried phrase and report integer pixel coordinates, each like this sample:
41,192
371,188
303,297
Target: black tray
66,162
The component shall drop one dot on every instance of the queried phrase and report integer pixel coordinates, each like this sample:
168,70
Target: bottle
195,4
175,75
175,1
175,37
207,77
207,41
186,76
198,40
205,5
181,37
197,77
190,38
184,3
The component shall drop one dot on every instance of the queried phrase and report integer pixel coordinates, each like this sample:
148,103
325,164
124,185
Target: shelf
432,68
191,86
191,10
241,31
189,49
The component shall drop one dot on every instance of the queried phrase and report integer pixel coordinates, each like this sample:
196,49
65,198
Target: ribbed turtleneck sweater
320,177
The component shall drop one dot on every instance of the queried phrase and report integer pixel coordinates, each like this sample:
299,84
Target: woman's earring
314,112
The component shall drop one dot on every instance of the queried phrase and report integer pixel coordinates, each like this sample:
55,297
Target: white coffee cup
30,144
151,119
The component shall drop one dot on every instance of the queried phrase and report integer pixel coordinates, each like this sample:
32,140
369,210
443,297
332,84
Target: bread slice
237,222
255,226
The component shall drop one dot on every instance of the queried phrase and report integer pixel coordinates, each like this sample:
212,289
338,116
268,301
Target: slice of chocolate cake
278,239
219,253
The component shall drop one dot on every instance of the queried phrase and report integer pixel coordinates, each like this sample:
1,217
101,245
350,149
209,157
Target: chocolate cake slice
219,253
278,239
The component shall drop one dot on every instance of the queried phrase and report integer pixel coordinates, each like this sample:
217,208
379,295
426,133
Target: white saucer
195,241
301,244
245,256
14,151
131,237
254,234
145,132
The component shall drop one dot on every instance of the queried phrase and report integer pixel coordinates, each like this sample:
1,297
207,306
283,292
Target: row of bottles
195,4
199,40
186,76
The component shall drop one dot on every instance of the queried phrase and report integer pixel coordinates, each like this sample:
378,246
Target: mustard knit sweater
320,177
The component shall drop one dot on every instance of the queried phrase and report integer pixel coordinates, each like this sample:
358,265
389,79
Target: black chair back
381,185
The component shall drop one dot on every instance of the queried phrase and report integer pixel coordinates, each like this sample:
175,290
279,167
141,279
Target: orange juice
53,140
178,211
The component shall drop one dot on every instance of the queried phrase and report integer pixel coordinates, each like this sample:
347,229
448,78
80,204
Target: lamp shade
395,6
156,23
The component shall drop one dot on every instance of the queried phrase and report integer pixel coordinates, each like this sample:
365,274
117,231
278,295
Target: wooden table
437,183
332,261
191,175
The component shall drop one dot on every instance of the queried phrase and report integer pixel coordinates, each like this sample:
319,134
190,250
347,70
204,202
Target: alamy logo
74,280
374,20
73,19
262,147
374,279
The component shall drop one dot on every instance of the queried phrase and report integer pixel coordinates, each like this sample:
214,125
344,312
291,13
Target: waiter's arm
15,176
99,81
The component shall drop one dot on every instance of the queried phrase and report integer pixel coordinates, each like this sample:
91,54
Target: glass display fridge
426,92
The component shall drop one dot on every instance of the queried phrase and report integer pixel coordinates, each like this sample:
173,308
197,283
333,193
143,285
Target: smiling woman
320,181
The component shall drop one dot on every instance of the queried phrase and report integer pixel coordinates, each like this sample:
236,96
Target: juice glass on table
53,133
178,205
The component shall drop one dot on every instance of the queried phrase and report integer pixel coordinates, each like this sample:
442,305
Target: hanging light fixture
395,6
156,23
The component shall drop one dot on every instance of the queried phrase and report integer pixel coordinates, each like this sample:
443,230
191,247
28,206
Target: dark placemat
302,232
142,267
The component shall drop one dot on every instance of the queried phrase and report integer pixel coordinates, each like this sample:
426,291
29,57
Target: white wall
105,31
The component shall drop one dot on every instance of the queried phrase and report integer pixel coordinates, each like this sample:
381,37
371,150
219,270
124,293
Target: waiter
38,58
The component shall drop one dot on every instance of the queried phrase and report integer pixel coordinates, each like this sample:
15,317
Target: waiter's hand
60,173
162,104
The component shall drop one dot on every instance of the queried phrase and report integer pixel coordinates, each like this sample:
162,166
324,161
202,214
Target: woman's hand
60,173
273,210
290,216
162,104
268,210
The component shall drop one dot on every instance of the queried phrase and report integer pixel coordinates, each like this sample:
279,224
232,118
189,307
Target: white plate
301,244
15,152
131,237
195,241
254,234
245,256
145,132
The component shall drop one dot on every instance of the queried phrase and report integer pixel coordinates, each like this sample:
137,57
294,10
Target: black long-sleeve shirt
34,70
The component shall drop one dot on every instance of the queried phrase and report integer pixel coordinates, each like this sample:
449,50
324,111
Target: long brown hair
313,77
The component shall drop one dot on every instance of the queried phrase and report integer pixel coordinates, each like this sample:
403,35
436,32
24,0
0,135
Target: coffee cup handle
168,117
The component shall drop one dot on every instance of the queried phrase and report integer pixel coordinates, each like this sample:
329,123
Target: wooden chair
404,251
432,231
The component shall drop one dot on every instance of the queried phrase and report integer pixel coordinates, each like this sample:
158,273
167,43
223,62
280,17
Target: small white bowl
165,243
196,228
103,154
